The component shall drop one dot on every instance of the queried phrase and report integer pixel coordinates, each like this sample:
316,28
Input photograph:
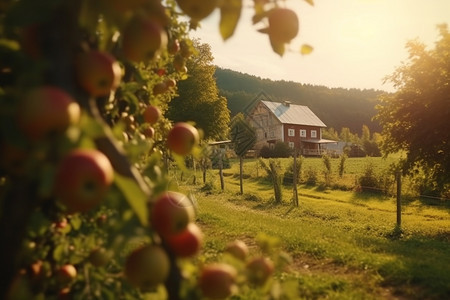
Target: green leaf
306,49
258,16
11,45
230,13
136,198
59,252
76,222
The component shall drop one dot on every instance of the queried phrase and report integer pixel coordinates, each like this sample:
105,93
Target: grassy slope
352,236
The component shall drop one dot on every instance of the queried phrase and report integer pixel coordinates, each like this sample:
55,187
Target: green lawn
344,244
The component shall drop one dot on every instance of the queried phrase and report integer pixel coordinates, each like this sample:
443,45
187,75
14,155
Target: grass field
344,244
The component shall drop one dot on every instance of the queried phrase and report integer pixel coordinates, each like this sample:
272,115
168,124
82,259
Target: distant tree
198,97
415,118
365,133
368,143
330,134
347,136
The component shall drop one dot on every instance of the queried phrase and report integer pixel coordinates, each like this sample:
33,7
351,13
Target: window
302,132
291,145
272,134
291,132
314,133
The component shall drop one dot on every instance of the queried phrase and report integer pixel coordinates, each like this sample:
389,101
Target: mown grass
354,231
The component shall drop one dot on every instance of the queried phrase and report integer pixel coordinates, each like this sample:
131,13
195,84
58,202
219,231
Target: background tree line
336,107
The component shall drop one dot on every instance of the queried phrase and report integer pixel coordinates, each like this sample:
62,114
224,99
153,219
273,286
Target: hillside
336,107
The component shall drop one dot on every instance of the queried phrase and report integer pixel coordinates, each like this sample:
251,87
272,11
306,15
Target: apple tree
87,209
415,117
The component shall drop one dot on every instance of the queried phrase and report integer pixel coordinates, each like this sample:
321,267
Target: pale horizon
356,42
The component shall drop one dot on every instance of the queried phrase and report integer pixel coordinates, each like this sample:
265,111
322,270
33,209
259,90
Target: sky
357,43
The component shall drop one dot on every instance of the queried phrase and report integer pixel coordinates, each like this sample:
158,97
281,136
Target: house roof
293,114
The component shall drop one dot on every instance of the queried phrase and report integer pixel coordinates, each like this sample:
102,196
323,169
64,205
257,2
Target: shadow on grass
421,265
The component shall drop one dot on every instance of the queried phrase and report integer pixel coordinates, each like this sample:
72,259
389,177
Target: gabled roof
293,114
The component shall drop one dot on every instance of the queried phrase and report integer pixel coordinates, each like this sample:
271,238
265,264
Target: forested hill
336,107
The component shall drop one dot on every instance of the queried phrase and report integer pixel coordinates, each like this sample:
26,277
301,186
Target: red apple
143,37
259,269
160,88
98,73
36,270
149,132
179,63
66,274
171,213
174,47
147,267
238,249
82,179
186,243
47,110
170,82
151,114
64,294
217,281
182,138
283,25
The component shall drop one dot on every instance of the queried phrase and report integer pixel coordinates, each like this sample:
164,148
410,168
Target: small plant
327,171
311,176
289,174
274,172
342,160
369,181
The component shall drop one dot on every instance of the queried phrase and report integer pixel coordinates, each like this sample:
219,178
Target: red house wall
296,139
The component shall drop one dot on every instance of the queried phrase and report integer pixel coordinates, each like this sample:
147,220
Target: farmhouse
295,125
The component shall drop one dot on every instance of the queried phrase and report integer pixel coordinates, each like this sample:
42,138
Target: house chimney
287,103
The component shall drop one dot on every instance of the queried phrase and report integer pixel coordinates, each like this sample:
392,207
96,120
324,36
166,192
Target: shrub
327,171
342,160
311,176
369,181
281,150
288,177
274,172
265,152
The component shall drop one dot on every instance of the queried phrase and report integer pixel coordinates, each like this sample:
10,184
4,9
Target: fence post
399,197
222,183
241,162
295,178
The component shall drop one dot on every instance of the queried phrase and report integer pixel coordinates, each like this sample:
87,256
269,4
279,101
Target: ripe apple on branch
71,72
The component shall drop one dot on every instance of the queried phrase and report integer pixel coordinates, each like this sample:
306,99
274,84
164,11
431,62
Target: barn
296,125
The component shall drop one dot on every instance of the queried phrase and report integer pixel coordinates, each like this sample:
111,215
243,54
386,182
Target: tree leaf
306,49
136,198
264,30
230,13
310,2
277,47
